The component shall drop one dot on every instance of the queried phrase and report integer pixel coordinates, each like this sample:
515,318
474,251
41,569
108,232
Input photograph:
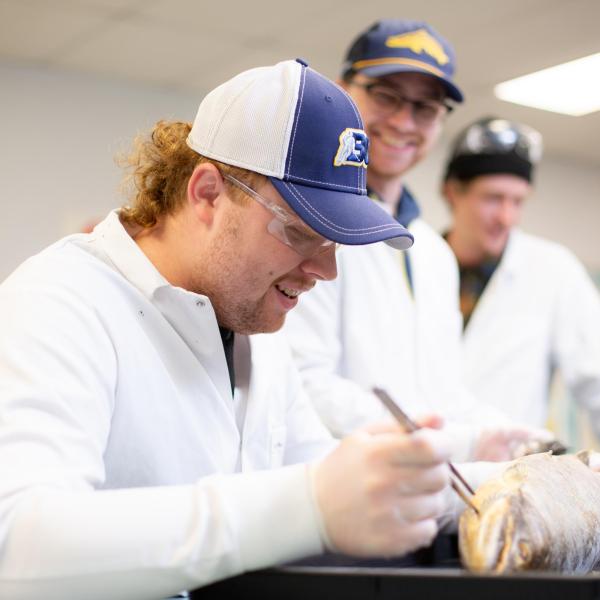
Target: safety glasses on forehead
286,226
498,136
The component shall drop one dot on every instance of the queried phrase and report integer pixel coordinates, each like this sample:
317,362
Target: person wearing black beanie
529,307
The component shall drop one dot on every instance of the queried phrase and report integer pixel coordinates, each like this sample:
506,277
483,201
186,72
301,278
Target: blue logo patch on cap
353,149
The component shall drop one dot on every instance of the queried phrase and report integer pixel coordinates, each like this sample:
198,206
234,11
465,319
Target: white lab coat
110,378
366,329
539,312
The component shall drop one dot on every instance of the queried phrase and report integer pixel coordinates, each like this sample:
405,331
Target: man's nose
509,213
403,116
321,266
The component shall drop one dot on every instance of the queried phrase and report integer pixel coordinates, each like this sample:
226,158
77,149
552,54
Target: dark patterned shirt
472,284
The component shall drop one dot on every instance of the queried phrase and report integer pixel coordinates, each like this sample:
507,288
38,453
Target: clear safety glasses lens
287,227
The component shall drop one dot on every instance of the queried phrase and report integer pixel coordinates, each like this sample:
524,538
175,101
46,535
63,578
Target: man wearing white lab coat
346,335
149,442
528,304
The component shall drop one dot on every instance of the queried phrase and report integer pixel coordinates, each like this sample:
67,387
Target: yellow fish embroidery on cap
419,41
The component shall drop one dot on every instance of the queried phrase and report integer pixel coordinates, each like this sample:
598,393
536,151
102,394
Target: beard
240,314
236,283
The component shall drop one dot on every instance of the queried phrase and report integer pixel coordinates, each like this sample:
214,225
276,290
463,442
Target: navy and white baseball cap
301,130
399,46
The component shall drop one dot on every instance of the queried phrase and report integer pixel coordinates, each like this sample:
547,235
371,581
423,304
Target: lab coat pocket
277,435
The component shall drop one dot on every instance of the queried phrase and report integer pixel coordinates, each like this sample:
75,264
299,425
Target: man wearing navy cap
391,319
150,442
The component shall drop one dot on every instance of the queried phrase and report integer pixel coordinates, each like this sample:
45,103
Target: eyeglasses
388,101
499,136
287,227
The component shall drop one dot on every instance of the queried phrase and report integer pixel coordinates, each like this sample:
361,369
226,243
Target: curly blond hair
158,170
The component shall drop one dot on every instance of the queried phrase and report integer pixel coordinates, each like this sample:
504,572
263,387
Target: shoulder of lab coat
540,312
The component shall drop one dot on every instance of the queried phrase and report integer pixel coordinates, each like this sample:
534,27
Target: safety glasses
287,227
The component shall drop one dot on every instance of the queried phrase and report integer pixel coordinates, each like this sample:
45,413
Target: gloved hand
508,442
380,491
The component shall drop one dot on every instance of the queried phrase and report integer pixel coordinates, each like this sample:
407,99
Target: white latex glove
508,442
380,491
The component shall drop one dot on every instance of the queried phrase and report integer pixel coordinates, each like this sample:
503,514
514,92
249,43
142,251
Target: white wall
60,131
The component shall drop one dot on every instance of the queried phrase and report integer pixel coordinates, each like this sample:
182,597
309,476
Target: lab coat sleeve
313,329
576,343
62,537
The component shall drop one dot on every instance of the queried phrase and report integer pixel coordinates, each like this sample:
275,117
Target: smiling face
484,211
219,244
396,140
251,277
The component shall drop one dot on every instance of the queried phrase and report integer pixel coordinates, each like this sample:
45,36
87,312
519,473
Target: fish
541,513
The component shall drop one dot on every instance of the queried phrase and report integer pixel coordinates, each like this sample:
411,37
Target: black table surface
433,573
405,583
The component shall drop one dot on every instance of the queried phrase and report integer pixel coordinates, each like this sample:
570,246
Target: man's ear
204,187
449,191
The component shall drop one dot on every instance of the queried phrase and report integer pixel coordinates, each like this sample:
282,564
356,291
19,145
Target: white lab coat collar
190,314
128,258
509,261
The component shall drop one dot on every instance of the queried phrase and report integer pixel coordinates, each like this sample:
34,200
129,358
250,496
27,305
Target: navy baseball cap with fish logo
305,134
398,46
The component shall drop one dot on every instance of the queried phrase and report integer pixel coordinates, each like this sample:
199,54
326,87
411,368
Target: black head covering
492,146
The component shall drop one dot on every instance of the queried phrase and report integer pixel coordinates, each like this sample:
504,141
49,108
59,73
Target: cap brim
390,69
343,217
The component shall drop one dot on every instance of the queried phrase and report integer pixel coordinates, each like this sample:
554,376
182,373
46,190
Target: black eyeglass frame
402,99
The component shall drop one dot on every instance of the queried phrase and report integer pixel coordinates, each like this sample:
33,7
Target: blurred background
79,78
